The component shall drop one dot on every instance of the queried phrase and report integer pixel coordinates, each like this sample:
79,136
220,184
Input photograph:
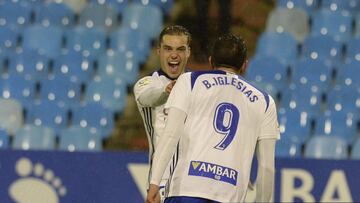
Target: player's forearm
167,144
153,96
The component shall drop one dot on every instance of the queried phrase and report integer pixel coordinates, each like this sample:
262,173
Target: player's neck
226,69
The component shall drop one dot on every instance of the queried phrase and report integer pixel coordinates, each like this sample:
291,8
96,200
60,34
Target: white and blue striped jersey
226,116
151,109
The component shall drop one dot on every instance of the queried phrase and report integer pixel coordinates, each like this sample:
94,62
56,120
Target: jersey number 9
226,119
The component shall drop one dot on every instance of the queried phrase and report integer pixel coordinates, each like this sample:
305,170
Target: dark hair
175,30
229,50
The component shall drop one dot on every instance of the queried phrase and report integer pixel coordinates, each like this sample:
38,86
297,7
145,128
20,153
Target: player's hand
170,86
153,195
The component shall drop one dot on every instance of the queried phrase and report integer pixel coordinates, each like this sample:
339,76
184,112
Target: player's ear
244,67
211,63
188,52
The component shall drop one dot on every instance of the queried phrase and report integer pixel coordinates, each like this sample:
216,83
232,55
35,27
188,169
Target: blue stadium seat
11,115
133,43
45,40
345,98
347,74
119,5
337,24
274,43
322,47
52,13
4,139
29,64
94,115
48,114
117,64
337,123
31,137
294,21
269,70
287,148
295,125
352,50
357,25
355,150
326,147
165,5
100,16
308,6
302,98
335,5
146,19
17,87
8,38
89,42
108,91
77,138
14,13
61,90
74,65
311,72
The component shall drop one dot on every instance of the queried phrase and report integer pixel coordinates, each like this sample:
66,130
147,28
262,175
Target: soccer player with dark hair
219,120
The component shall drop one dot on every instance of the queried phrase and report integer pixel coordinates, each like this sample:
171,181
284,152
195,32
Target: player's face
174,53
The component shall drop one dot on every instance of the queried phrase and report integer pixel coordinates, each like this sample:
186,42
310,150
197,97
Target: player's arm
151,92
165,149
265,151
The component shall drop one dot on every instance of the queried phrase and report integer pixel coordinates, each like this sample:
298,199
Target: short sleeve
180,94
269,125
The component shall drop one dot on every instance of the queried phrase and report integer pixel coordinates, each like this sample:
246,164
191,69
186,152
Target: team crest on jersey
143,82
213,171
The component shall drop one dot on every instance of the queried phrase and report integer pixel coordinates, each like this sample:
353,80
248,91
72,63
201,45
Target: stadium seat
269,70
75,66
352,50
326,147
31,137
94,115
48,114
145,19
108,91
61,90
345,98
287,148
77,138
336,5
4,139
294,21
100,16
165,5
15,13
133,43
294,125
11,115
17,87
355,150
45,40
302,98
29,64
337,123
88,41
119,5
311,73
308,6
337,24
357,25
322,47
52,13
117,64
273,44
347,74
8,38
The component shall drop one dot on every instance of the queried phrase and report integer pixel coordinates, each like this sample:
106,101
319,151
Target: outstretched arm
265,152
